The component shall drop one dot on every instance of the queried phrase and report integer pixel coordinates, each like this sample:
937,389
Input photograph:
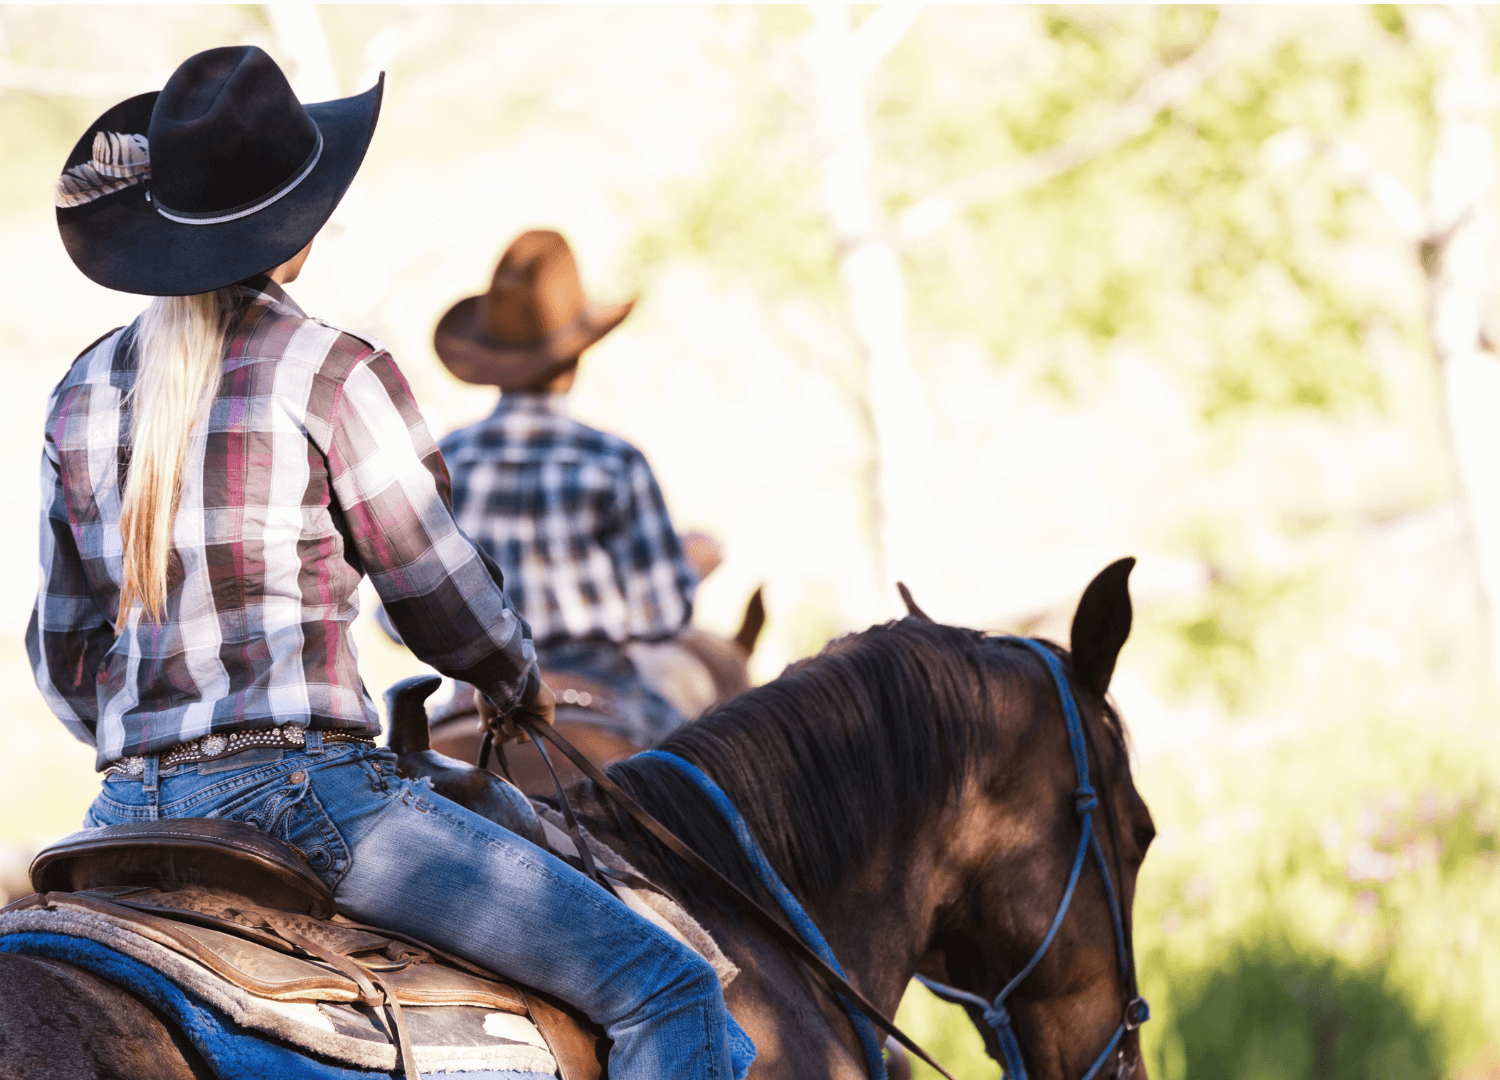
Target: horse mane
854,744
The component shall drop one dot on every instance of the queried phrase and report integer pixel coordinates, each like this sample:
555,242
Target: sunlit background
979,299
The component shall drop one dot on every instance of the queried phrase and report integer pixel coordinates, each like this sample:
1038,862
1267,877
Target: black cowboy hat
533,322
221,175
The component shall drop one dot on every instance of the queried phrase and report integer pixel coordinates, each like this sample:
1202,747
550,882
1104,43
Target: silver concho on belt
210,747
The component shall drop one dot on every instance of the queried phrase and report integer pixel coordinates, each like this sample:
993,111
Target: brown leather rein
778,930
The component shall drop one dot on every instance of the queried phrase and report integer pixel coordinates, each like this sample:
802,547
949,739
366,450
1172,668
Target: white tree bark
869,265
870,273
1456,258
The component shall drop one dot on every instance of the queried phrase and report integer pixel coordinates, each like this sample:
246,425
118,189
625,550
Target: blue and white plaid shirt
574,518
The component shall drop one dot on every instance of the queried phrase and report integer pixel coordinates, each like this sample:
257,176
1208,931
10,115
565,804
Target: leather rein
994,1013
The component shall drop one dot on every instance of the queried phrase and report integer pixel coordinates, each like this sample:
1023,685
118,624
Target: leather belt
213,747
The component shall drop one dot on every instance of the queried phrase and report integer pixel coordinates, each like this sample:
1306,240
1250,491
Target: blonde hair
179,356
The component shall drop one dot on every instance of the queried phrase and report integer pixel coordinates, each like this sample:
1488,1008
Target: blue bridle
994,1012
1085,801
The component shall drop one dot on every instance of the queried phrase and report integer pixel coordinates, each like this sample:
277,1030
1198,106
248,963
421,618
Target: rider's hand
703,552
542,709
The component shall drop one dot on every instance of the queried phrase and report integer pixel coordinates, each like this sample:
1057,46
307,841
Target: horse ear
1101,625
754,621
911,605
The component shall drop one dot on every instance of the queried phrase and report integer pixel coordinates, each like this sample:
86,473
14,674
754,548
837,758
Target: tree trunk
870,273
1455,257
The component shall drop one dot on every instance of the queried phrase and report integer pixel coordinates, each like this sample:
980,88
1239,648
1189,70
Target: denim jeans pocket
289,810
105,810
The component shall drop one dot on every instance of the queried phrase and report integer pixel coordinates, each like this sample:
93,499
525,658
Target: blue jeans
398,855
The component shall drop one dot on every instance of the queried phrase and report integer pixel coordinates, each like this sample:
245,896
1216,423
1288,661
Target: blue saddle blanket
231,1051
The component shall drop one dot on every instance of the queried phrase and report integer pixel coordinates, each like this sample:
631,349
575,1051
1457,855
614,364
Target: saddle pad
451,1039
231,1051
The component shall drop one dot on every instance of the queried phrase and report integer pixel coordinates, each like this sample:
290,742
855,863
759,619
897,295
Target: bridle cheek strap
995,1014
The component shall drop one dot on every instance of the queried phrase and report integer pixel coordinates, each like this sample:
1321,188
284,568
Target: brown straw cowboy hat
533,322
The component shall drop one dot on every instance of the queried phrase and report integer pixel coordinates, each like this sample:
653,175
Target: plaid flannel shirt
313,468
576,520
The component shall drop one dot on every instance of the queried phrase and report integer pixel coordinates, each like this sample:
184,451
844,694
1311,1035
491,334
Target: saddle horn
475,789
406,710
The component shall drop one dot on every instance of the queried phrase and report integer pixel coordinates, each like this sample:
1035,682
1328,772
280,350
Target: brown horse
912,785
716,670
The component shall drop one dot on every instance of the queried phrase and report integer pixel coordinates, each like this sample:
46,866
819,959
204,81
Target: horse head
1047,971
938,801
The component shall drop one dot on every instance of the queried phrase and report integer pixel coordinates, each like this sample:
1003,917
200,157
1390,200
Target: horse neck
880,917
878,910
877,919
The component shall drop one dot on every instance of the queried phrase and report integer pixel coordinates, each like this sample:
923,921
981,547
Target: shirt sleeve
442,593
69,633
655,577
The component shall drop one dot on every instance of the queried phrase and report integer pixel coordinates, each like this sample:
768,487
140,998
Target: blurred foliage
36,123
1219,638
1229,638
1274,1011
1347,932
754,217
754,214
1184,240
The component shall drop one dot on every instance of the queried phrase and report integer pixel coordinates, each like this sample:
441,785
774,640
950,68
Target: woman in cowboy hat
572,515
217,477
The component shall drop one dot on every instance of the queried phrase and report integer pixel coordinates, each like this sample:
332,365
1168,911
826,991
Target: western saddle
247,906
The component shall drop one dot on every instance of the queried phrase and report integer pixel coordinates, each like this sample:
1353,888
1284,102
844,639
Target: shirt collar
260,289
532,401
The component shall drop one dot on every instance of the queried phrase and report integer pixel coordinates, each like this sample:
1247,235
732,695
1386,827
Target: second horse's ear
1101,625
754,621
911,605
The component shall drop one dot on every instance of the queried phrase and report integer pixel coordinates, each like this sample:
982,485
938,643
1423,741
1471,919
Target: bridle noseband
1085,801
